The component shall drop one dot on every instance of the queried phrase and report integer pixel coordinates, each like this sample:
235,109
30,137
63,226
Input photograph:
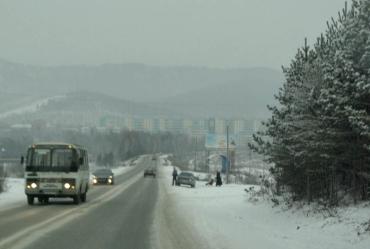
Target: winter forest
318,137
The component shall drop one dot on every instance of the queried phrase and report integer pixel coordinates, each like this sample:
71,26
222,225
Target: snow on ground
227,218
127,165
14,191
32,107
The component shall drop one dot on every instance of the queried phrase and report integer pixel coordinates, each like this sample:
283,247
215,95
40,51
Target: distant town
105,122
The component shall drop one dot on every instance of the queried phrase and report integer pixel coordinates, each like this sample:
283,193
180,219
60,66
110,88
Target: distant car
186,178
103,176
150,172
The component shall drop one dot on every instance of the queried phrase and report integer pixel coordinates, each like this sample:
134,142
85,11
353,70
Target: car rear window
103,171
186,174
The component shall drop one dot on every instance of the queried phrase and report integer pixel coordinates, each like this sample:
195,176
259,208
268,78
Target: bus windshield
51,160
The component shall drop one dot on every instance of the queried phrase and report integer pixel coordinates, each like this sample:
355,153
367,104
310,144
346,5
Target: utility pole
227,154
207,162
3,163
196,147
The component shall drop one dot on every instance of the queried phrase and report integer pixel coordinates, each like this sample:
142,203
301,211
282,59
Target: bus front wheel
83,197
30,200
77,199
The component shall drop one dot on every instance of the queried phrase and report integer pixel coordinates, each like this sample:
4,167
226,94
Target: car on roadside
150,172
186,178
103,176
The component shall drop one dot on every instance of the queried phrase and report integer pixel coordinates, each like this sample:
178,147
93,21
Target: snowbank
228,219
14,192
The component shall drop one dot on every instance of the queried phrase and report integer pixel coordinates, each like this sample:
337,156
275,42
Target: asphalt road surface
135,213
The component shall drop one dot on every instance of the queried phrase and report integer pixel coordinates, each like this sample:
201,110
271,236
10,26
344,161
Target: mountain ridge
172,87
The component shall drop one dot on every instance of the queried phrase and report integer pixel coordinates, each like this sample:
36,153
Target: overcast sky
215,33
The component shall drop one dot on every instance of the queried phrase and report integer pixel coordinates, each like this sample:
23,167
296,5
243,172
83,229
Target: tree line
318,136
106,147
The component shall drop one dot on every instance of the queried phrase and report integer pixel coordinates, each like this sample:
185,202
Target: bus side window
83,155
76,156
29,157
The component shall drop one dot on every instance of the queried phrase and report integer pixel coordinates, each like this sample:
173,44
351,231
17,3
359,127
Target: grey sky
216,33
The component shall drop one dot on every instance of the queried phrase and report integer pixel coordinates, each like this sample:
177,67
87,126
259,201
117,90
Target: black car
150,172
103,176
186,178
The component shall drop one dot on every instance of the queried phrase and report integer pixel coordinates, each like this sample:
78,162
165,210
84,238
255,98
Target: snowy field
29,107
227,218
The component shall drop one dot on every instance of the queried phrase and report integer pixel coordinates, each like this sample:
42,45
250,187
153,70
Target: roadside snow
228,219
14,192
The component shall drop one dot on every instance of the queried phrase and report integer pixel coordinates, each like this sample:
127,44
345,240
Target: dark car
186,178
150,172
103,176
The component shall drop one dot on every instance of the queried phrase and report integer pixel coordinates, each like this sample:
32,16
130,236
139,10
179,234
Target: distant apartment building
195,126
159,125
187,126
175,125
199,127
148,125
138,124
220,126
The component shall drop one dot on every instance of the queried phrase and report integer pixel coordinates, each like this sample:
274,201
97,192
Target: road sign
218,141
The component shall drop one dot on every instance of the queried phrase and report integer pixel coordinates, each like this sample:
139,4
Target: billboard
218,141
225,164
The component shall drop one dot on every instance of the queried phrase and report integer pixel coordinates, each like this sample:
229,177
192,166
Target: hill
247,96
192,91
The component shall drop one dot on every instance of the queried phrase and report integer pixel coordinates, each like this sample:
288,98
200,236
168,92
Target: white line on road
26,236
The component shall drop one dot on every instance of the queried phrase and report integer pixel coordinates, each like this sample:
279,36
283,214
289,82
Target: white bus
56,170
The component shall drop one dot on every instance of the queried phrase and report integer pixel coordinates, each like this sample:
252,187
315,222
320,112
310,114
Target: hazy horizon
205,33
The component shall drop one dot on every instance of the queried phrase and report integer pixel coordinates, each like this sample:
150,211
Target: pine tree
320,129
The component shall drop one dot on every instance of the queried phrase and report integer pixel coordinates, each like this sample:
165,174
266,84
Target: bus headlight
110,180
33,185
95,180
69,184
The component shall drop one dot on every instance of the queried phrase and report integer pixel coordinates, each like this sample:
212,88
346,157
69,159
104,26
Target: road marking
25,237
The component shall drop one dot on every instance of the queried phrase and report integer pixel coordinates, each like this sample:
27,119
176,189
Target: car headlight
110,177
33,185
67,185
110,180
95,180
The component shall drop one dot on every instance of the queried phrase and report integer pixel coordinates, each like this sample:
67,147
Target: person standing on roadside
174,176
218,179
